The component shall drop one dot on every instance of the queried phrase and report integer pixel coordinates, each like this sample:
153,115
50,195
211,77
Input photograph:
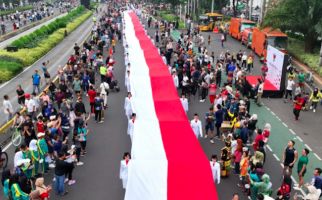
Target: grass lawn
167,16
296,49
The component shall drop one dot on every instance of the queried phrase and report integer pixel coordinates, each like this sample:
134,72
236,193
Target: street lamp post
212,5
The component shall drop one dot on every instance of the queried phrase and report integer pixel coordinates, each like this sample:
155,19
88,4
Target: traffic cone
216,29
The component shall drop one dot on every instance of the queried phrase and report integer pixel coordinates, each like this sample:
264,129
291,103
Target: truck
261,38
247,37
238,25
208,21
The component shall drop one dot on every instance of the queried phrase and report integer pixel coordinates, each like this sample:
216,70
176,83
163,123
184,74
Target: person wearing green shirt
301,166
103,71
34,156
26,154
17,193
301,79
43,151
77,85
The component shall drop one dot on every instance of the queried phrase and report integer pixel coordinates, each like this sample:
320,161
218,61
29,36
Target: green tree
218,4
301,16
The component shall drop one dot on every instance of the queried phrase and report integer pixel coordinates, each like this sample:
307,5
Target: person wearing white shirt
244,59
127,81
130,127
184,102
289,88
31,107
175,79
260,91
124,168
196,126
164,59
128,105
7,106
215,168
104,87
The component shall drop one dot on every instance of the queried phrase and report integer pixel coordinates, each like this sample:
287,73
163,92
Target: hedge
26,57
20,9
33,39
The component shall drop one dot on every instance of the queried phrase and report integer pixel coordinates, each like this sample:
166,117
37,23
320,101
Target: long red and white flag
168,162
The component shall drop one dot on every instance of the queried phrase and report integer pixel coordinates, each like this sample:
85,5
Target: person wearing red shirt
91,95
40,125
259,137
298,104
264,70
212,92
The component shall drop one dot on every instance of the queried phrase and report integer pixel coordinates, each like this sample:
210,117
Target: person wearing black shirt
21,95
76,49
61,169
79,106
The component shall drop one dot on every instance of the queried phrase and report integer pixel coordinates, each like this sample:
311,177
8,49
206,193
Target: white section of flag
148,169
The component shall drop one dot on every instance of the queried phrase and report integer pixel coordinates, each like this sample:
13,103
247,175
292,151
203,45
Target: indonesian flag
168,162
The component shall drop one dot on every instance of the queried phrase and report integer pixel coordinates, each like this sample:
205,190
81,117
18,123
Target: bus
208,21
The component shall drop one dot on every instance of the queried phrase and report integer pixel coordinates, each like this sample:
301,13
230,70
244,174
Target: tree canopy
298,16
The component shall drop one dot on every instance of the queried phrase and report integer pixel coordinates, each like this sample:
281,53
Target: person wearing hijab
42,188
6,175
124,168
315,99
226,159
43,151
34,156
264,187
16,192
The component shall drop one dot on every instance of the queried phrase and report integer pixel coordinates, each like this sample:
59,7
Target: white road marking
285,125
268,108
275,156
279,119
318,157
269,148
307,146
273,113
292,132
298,137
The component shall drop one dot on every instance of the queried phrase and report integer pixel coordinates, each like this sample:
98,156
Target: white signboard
275,61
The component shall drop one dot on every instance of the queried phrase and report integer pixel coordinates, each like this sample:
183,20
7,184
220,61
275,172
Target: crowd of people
22,18
222,78
55,125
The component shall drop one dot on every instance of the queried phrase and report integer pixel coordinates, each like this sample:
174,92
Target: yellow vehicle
208,21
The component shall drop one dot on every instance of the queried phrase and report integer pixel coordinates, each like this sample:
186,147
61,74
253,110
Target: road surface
98,178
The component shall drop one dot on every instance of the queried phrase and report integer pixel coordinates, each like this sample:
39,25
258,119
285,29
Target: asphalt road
98,178
306,132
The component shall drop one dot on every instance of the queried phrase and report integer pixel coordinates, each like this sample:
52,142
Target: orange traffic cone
216,29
